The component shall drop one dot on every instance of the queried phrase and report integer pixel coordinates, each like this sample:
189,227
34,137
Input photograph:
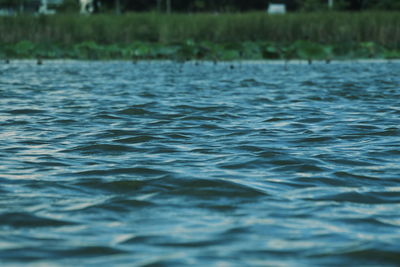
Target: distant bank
229,36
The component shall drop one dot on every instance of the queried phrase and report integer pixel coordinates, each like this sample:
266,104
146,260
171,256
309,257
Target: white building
276,9
44,4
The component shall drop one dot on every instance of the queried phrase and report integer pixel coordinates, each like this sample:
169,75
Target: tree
68,6
311,5
21,5
382,4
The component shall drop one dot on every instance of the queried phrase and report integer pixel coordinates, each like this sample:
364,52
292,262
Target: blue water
165,164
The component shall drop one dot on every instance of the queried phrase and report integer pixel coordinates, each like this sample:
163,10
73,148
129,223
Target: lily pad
310,50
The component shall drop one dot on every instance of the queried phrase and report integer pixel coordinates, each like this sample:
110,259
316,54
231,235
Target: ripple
137,139
371,256
317,139
27,220
90,251
241,164
364,198
100,148
112,163
25,111
136,111
115,171
343,174
205,188
194,244
119,186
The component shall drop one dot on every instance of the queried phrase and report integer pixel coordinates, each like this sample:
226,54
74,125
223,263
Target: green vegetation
203,36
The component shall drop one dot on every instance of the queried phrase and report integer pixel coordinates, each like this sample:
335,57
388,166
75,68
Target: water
164,164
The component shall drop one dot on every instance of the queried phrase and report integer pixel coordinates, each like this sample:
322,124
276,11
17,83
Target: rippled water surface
253,164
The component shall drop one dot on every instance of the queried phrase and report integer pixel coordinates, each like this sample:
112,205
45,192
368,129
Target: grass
366,34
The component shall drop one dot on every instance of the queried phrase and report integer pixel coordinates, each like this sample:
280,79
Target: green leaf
311,50
24,49
271,51
230,55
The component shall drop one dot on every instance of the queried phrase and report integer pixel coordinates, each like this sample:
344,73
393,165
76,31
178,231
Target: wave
27,220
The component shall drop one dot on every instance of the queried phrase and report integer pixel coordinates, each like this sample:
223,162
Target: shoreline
261,61
201,50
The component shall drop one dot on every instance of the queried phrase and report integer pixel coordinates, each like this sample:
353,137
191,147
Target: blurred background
121,6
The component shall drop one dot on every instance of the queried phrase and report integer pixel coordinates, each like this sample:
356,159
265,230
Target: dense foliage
325,28
213,5
190,50
240,5
203,36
